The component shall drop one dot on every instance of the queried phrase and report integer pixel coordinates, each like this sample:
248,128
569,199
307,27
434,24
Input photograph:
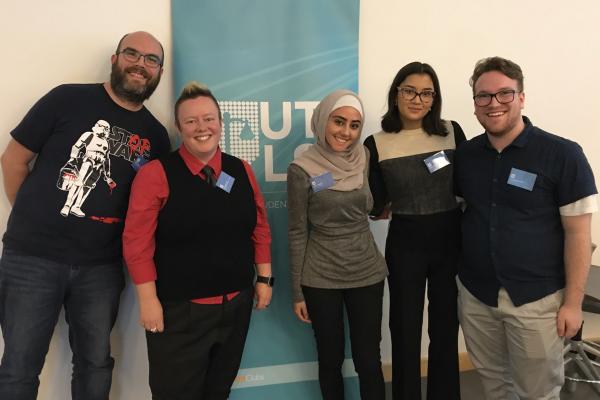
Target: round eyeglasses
409,94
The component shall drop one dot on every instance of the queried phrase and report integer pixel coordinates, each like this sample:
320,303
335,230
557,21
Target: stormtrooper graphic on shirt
89,160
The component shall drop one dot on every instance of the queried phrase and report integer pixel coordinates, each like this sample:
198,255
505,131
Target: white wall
48,43
557,46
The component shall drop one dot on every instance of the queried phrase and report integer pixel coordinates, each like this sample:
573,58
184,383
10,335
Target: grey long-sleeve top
330,243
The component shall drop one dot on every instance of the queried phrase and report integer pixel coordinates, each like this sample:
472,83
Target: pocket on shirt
540,196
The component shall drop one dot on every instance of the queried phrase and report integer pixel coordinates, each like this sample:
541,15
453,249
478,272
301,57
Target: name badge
138,162
322,182
437,161
225,181
522,179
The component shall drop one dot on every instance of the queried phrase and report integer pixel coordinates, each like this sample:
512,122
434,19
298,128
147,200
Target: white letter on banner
286,116
308,107
270,176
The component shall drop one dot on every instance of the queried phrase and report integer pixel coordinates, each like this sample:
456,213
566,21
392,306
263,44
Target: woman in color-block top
411,179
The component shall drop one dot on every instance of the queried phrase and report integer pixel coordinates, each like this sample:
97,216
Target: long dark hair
432,122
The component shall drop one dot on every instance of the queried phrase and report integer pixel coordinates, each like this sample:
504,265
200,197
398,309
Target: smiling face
499,120
343,128
135,81
413,111
199,124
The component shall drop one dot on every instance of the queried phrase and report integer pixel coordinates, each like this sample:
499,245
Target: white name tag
437,161
225,182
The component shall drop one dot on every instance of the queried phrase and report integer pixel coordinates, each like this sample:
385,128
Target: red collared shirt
149,194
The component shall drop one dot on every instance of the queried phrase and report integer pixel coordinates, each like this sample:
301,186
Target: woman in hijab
334,261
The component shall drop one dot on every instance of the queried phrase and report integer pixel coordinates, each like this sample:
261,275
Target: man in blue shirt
529,197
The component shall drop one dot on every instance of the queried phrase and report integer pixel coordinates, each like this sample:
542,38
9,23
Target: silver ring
153,330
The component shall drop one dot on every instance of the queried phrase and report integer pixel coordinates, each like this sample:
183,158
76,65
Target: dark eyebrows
139,52
499,90
345,119
338,116
426,89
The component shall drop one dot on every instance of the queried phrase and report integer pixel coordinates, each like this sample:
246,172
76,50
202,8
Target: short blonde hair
193,90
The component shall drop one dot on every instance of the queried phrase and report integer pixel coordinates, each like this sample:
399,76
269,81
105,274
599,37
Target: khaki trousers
516,350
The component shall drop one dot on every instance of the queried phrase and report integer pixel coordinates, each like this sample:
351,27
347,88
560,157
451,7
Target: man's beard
136,94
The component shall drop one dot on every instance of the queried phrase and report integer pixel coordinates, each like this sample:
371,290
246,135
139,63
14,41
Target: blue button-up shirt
513,237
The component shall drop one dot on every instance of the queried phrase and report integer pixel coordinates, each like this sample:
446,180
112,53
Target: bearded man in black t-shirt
52,260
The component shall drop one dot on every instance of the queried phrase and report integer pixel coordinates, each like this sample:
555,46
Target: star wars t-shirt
71,206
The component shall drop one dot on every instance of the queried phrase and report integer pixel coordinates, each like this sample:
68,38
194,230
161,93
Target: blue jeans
32,292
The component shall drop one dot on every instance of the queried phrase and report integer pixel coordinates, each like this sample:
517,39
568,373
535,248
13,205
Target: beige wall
48,43
555,43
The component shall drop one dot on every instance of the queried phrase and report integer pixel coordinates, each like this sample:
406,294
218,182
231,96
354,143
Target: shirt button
495,180
493,204
492,229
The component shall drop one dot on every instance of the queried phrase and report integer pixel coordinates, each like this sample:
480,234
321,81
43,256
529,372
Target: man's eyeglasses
503,97
409,94
131,55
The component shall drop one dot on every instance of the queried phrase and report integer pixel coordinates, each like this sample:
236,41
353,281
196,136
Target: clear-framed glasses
409,94
132,55
503,97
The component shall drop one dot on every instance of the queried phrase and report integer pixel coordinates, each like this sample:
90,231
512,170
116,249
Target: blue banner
269,63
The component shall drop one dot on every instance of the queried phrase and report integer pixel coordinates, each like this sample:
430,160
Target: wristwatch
269,280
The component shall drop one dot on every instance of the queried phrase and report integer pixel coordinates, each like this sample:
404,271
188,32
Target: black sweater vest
204,241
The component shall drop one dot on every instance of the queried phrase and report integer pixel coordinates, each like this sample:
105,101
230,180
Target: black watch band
269,280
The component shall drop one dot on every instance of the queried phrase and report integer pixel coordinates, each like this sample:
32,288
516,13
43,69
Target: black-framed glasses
504,96
132,55
409,94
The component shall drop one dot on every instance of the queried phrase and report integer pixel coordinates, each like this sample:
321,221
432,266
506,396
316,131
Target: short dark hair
502,65
162,50
193,90
432,122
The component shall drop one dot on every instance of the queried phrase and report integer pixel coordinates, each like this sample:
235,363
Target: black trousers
420,252
198,355
364,309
